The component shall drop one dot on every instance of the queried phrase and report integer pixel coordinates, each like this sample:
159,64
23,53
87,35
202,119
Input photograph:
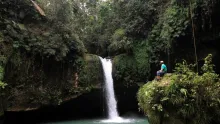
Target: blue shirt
164,68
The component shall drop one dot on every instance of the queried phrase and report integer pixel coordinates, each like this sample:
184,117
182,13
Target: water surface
99,121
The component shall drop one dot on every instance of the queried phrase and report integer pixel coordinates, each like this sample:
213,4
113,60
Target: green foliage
55,37
124,70
13,10
141,57
138,16
119,33
87,79
44,52
171,25
124,45
139,30
204,10
130,69
119,23
2,84
174,23
1,73
208,66
183,97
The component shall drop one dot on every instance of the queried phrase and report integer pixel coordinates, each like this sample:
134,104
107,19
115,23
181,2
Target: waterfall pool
100,121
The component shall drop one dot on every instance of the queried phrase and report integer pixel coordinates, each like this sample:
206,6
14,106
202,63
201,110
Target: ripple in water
118,120
105,121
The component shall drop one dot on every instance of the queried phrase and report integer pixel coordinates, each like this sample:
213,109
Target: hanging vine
193,33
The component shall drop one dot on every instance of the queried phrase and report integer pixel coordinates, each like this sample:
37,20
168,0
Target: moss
128,70
172,24
41,83
124,70
183,97
91,73
39,60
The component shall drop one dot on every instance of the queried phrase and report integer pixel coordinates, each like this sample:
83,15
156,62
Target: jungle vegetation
43,43
183,97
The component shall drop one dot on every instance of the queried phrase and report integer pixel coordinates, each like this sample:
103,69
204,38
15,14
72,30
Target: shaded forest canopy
55,38
115,27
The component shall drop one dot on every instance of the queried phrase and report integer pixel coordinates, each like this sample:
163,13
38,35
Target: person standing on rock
162,71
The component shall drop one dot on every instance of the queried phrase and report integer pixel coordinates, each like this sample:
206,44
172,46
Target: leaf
164,99
183,91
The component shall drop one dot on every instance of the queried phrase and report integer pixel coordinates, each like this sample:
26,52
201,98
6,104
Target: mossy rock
92,73
35,74
46,81
41,83
176,99
129,70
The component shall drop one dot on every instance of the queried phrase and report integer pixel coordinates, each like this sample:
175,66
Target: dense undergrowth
165,38
40,55
183,97
129,69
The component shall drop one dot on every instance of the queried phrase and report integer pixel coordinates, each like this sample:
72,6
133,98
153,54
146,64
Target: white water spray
110,94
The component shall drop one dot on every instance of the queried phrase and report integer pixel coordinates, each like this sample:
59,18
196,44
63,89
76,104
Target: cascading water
113,117
110,95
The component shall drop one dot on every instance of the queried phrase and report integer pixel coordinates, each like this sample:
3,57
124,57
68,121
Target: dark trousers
160,73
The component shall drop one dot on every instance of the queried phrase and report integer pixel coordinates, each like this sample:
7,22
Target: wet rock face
128,71
36,78
35,82
86,106
127,101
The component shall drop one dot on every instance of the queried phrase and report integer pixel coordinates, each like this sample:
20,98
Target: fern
188,97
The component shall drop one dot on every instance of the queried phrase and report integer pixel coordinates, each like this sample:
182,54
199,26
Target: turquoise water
124,121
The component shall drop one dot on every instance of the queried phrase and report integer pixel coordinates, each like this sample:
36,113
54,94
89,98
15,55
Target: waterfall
110,95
